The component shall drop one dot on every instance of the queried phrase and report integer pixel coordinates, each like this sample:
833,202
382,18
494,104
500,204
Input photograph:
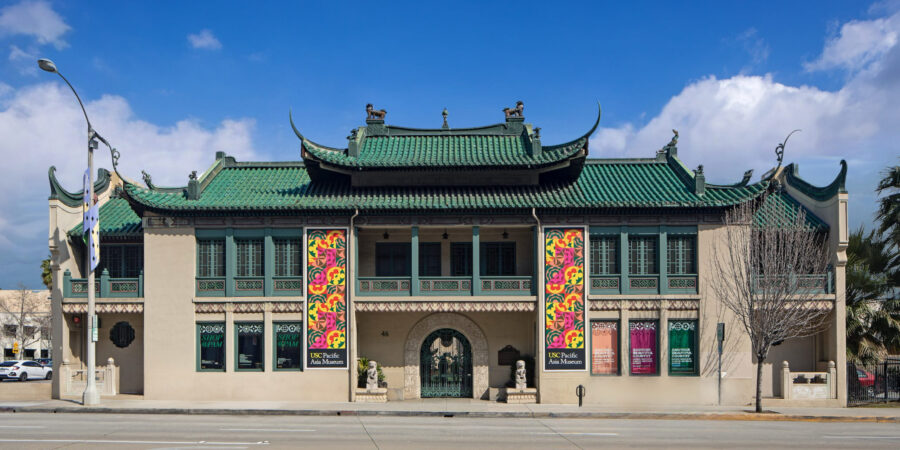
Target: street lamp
90,396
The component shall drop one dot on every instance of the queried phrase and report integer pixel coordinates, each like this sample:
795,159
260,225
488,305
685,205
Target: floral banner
564,299
326,267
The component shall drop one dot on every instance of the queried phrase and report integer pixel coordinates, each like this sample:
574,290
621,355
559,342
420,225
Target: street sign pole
720,337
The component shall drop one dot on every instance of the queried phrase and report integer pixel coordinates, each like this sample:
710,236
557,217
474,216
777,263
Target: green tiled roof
781,209
445,151
117,220
602,184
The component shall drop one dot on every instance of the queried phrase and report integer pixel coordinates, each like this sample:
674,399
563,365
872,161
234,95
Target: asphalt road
33,430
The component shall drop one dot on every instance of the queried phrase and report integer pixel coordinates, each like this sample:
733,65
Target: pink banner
643,347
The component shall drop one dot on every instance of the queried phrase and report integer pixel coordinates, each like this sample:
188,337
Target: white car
24,370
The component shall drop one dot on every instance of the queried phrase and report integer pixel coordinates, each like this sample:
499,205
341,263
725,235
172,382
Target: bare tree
769,274
29,313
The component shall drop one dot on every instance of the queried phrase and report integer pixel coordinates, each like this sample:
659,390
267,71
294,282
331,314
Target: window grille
249,257
212,258
642,255
288,257
604,255
681,250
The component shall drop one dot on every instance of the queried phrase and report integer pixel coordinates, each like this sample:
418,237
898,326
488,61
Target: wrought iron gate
445,365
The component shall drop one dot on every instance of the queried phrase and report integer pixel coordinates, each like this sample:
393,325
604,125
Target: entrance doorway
445,365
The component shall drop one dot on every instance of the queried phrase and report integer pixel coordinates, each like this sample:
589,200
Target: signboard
643,341
326,266
564,299
682,347
604,348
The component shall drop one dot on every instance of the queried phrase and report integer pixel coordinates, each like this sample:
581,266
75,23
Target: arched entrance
445,365
412,385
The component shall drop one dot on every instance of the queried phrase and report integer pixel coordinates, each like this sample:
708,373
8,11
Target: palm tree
873,313
889,214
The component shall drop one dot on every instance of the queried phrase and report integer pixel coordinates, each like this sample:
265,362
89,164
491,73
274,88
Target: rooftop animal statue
372,113
515,111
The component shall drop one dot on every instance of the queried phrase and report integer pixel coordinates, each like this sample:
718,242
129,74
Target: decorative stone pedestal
376,395
519,396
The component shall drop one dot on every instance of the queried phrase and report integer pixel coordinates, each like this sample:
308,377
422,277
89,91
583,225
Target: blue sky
170,83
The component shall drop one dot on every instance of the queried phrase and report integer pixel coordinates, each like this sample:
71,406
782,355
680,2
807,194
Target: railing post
414,276
104,283
67,284
476,262
786,381
140,292
832,380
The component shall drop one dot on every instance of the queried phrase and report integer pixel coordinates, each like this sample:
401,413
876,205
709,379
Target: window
249,255
604,347
392,259
288,352
643,342
249,345
10,330
642,255
30,330
498,258
604,255
122,261
211,346
288,257
683,347
461,259
8,353
430,259
681,255
211,262
45,353
29,353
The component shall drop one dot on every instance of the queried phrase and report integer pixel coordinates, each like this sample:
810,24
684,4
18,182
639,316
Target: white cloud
36,19
754,45
42,125
204,40
23,60
733,124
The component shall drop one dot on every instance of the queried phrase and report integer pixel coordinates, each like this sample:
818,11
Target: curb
450,414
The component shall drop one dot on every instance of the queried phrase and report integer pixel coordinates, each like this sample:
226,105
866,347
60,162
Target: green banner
683,347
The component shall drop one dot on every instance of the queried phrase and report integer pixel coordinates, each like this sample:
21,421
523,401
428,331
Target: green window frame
684,337
249,345
211,343
121,260
461,259
681,254
288,257
393,259
211,257
604,254
429,259
249,257
498,259
287,346
642,255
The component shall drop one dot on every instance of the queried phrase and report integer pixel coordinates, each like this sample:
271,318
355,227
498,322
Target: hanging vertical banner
326,335
564,299
682,347
643,347
604,347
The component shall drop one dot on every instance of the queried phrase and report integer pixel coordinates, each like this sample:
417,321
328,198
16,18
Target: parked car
47,362
865,378
24,370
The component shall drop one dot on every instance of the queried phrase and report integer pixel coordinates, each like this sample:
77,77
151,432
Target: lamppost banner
564,299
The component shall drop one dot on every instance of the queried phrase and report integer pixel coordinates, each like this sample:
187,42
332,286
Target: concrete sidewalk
454,408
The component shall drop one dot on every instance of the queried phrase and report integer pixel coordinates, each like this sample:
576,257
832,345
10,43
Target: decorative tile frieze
106,308
684,305
287,307
209,308
249,307
375,306
605,305
643,305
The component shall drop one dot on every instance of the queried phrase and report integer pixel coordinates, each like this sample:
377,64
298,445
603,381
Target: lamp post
90,396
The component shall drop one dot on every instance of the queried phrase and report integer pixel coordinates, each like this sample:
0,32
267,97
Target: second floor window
430,259
288,257
498,258
249,257
681,255
211,261
642,255
122,261
392,259
461,259
604,255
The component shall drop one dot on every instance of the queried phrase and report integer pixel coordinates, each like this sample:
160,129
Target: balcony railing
104,286
817,284
518,285
613,284
384,286
445,286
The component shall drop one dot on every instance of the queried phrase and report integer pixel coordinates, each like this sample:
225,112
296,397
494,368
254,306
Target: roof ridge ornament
444,114
374,114
147,180
779,149
515,111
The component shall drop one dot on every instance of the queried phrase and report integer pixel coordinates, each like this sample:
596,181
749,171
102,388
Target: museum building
446,255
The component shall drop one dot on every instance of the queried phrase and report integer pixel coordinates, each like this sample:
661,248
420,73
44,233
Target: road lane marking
271,430
578,434
111,441
861,437
22,426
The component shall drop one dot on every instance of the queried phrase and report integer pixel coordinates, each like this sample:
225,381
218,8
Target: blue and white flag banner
91,224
